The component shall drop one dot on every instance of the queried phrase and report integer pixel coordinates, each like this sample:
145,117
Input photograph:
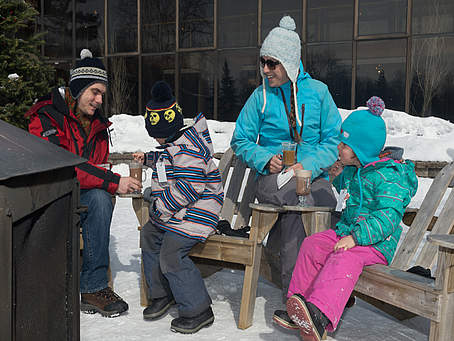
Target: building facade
208,50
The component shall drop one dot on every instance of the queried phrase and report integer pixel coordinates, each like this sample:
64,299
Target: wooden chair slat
443,225
415,234
233,190
244,211
225,164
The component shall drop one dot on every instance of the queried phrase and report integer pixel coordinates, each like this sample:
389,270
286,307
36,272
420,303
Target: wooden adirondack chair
433,299
244,251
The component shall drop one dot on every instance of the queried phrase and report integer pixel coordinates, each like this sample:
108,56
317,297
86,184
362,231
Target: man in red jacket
69,118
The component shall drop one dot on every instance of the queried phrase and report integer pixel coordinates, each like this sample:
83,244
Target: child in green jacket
373,192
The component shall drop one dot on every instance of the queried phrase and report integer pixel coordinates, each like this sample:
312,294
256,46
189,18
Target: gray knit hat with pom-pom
284,44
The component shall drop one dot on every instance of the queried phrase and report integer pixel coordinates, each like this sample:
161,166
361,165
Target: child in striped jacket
374,191
186,197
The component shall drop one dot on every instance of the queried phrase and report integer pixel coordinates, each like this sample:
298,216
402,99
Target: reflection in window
196,25
330,20
332,64
238,23
122,25
58,24
90,26
273,11
158,26
382,16
434,16
123,90
381,72
237,80
156,68
432,77
197,73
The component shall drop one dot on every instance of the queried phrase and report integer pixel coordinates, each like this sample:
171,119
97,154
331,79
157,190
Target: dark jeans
287,234
96,234
170,272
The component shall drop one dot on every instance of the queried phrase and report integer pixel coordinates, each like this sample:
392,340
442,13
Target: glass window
332,64
158,26
57,22
156,68
123,87
90,26
434,16
432,77
237,79
62,69
122,25
273,11
381,69
382,16
196,84
196,23
238,23
330,20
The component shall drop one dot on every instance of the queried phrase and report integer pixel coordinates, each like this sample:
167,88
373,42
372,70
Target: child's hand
139,157
335,170
345,244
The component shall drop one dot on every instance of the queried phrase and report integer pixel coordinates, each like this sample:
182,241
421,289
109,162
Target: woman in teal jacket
289,106
374,190
318,113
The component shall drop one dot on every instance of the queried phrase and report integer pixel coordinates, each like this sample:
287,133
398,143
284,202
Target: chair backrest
444,225
241,177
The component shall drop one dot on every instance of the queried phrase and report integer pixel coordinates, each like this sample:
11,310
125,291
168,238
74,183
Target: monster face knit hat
86,72
163,115
364,131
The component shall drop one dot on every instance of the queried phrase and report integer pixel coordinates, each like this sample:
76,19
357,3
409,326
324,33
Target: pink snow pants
327,278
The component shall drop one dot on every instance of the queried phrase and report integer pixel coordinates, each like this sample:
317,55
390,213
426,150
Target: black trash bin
39,239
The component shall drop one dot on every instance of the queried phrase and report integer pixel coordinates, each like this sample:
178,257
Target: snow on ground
422,138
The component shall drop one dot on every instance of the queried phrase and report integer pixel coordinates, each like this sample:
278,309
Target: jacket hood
265,87
196,136
405,168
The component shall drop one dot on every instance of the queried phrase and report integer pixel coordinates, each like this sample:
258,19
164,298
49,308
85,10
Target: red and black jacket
52,120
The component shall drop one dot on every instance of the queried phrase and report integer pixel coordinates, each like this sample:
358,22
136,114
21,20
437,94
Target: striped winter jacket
378,195
52,120
190,201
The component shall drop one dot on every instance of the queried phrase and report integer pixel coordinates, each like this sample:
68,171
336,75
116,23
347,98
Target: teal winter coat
321,125
378,195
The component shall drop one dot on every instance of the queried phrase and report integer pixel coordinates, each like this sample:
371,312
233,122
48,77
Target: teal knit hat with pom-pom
364,131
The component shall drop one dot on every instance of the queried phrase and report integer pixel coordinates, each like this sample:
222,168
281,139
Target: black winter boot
191,325
158,307
281,318
311,321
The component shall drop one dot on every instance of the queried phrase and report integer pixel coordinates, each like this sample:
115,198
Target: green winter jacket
378,195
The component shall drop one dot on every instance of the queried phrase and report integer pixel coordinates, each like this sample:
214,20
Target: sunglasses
270,63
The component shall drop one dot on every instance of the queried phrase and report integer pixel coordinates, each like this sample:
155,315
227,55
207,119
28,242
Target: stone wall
425,169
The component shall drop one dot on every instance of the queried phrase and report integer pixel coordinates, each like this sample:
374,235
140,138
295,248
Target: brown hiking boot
105,301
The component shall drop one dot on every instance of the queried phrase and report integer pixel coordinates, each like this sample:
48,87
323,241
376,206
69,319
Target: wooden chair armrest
130,195
308,208
266,208
443,240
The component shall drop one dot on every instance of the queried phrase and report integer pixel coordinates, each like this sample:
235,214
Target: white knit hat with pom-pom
284,44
